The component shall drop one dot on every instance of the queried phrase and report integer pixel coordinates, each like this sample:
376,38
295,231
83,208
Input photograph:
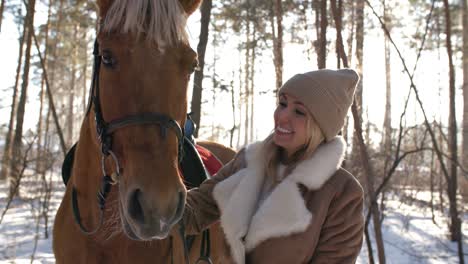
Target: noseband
105,132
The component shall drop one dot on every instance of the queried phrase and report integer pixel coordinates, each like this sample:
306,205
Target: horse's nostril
134,206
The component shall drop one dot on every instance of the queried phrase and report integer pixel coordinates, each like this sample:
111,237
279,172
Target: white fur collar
284,211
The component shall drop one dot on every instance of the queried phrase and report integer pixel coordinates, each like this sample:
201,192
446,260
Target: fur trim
284,211
236,197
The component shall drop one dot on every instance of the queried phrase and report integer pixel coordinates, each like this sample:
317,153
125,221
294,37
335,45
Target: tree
2,8
7,153
359,54
17,140
72,90
464,159
322,16
247,69
201,48
387,132
277,35
39,162
455,222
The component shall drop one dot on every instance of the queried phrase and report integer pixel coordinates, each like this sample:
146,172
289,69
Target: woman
286,199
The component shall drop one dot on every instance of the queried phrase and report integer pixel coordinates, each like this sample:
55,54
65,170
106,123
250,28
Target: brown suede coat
313,216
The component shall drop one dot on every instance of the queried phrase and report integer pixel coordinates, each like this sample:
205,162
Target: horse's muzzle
146,219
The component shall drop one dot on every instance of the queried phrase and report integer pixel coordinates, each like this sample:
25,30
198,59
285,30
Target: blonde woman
286,199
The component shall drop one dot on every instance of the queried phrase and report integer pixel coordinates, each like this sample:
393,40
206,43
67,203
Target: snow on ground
409,233
410,236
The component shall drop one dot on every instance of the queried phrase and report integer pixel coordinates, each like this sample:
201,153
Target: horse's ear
103,7
190,5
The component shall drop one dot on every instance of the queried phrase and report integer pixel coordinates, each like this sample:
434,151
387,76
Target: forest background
408,131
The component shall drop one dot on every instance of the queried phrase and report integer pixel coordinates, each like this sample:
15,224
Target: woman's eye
299,112
282,104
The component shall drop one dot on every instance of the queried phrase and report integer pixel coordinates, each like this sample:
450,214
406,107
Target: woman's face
290,124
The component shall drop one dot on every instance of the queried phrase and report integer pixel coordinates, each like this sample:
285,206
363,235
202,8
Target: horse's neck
86,167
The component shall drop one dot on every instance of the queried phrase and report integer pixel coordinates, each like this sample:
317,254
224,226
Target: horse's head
144,72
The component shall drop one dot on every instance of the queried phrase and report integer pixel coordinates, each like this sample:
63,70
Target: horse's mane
161,21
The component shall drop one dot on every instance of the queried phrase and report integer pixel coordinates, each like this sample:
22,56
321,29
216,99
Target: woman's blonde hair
274,154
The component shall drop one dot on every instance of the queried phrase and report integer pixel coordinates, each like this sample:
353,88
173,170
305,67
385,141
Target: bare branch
17,183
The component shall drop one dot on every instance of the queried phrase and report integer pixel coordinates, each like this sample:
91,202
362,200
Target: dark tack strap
182,236
102,195
145,119
67,164
205,248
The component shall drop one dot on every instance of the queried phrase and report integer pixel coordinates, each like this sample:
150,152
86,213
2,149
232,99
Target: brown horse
132,131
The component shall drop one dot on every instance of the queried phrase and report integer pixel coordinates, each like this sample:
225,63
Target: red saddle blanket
212,164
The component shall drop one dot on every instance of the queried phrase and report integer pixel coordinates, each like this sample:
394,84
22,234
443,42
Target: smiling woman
286,199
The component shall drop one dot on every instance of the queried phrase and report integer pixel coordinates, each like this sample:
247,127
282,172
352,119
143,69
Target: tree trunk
370,253
387,124
7,152
252,81
455,222
338,18
247,75
432,188
43,176
351,31
17,140
2,8
54,49
363,152
40,159
322,49
84,74
305,26
278,43
354,157
72,91
359,52
201,48
358,94
387,136
239,102
369,175
464,159
234,122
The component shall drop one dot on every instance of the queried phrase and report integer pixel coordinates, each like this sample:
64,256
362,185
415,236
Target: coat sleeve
342,232
201,209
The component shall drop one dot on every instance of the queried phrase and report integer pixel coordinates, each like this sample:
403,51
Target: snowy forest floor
410,236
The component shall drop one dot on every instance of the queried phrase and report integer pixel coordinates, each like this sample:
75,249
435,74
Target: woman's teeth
283,130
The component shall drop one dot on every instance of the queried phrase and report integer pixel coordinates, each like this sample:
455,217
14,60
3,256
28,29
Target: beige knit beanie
327,94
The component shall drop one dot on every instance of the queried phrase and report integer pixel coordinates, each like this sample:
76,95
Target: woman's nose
284,114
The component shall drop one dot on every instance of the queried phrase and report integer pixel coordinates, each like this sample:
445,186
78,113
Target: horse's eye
107,59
